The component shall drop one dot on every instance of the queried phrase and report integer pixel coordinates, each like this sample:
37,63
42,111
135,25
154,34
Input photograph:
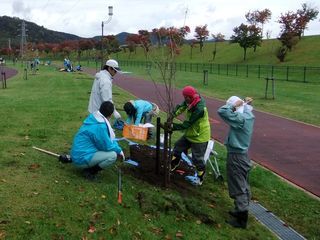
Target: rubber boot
91,173
240,221
234,213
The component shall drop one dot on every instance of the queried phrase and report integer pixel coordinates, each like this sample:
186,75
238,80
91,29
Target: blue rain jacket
93,136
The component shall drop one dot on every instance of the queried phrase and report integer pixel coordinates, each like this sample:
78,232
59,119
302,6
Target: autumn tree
304,16
160,34
144,40
201,34
192,46
289,35
258,17
219,37
247,36
132,41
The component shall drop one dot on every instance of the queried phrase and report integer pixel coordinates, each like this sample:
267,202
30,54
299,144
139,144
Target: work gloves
116,114
122,156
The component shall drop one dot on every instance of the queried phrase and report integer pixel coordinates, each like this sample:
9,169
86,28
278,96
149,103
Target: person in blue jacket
139,111
94,147
237,113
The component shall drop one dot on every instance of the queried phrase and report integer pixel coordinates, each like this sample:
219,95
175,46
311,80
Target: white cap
232,100
114,64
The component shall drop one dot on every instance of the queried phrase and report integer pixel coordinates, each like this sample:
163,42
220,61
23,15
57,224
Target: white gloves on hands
122,156
116,114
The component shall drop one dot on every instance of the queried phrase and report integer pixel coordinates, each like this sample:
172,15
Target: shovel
62,158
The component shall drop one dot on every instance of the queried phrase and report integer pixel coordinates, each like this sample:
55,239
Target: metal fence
285,73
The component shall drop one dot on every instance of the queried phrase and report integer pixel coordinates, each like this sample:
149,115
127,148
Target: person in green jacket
237,113
196,129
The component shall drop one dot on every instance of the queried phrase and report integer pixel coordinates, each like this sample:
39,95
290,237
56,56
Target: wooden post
267,85
205,77
158,146
166,155
3,79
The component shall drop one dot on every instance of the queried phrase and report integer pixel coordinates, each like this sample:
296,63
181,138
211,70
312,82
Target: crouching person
196,129
94,147
238,115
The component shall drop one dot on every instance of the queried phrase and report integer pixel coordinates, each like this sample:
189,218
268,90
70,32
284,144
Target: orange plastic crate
135,132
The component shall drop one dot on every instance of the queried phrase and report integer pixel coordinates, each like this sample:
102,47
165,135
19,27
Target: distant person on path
94,147
196,129
237,113
139,111
102,87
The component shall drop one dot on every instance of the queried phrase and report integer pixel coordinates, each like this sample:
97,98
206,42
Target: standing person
139,111
94,147
238,115
102,87
196,129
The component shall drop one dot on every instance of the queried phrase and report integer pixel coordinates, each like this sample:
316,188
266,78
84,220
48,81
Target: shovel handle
45,151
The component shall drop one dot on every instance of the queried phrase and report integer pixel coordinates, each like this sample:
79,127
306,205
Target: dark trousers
238,168
197,150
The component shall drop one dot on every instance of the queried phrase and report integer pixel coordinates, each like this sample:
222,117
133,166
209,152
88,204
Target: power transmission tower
23,42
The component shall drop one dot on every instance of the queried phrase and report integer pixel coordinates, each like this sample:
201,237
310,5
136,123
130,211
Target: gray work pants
238,168
197,149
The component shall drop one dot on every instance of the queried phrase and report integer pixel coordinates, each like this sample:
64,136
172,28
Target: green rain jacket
196,126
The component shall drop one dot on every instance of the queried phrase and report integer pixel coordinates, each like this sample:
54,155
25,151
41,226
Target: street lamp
110,8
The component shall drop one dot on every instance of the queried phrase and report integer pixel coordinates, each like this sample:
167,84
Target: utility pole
9,43
23,41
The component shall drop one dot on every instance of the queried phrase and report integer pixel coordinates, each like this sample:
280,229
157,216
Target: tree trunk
244,53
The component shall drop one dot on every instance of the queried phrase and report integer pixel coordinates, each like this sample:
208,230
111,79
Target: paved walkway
288,148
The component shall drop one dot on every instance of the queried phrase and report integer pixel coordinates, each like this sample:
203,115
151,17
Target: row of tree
247,35
293,25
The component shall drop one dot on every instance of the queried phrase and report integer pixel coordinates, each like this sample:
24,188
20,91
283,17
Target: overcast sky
84,17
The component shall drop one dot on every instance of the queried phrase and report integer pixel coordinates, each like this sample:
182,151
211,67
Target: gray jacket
101,90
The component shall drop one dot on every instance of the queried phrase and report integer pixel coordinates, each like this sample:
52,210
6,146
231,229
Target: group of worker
95,148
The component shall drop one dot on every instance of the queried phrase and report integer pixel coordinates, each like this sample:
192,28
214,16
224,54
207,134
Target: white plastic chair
211,155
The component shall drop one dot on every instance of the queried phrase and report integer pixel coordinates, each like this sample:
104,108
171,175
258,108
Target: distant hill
11,28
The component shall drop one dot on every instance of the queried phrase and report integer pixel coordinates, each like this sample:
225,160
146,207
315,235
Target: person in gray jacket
102,87
237,113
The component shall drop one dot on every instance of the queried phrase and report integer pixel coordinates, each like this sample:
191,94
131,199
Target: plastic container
135,132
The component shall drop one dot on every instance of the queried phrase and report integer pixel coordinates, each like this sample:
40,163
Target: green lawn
44,199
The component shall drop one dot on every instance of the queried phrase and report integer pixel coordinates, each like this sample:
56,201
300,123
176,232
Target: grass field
44,199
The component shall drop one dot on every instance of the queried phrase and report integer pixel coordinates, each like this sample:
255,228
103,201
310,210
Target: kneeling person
94,147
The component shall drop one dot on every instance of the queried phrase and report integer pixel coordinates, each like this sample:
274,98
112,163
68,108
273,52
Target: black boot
234,213
91,173
240,221
95,169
